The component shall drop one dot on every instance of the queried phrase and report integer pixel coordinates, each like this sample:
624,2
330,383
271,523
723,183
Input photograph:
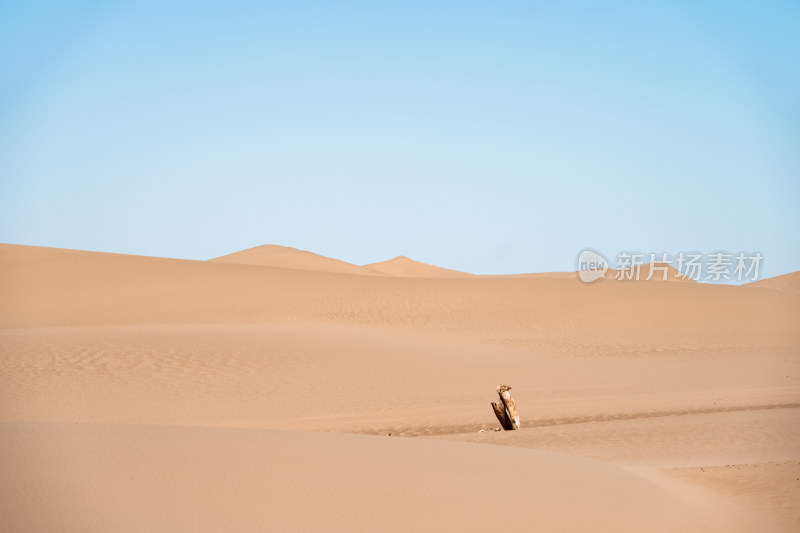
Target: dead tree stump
506,409
500,413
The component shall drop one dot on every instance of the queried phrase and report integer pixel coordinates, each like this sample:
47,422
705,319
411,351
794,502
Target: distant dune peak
787,282
278,248
274,255
402,266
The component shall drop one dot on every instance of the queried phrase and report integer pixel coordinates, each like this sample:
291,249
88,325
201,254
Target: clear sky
492,136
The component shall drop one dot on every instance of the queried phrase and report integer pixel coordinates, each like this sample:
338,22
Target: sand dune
286,257
290,481
654,271
408,268
787,282
141,393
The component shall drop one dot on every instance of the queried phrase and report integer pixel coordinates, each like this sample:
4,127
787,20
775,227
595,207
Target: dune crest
787,282
155,394
402,266
659,272
273,255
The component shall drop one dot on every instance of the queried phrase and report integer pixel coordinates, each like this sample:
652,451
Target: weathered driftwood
500,413
511,406
506,409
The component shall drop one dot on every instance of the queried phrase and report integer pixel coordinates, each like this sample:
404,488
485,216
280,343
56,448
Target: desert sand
275,389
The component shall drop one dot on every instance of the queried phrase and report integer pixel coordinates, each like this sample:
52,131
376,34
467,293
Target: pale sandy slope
287,257
787,282
154,394
405,267
151,478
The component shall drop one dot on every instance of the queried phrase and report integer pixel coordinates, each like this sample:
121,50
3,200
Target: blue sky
492,137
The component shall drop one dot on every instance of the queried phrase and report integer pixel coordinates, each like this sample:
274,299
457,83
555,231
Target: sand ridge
287,257
142,393
402,266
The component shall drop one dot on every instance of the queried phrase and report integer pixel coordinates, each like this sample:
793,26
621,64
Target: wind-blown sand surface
255,392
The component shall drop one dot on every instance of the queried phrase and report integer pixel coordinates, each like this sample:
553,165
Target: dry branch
500,412
506,409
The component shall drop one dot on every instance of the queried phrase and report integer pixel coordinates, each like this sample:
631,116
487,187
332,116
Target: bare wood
510,406
500,413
